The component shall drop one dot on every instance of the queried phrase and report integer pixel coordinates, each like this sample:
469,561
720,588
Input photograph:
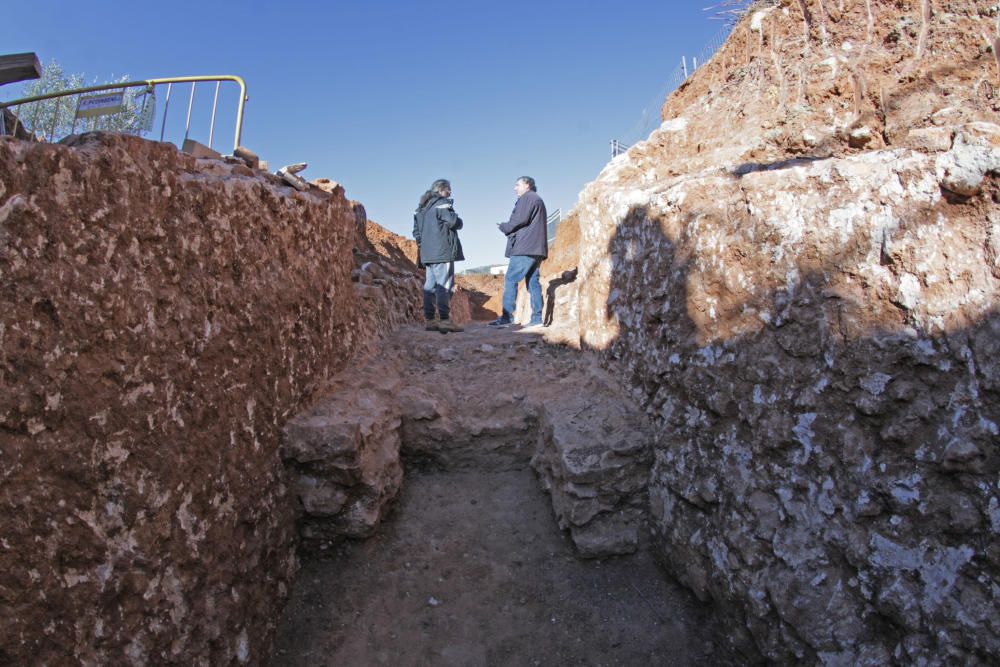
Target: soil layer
471,569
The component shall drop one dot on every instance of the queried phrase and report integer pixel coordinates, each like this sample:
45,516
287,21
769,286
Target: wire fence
729,12
650,119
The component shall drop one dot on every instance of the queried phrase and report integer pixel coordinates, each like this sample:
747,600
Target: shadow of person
795,371
648,286
565,278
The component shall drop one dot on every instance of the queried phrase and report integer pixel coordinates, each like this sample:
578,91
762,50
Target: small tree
54,117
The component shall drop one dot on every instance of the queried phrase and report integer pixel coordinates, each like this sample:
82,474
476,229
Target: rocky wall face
814,332
160,319
828,416
388,282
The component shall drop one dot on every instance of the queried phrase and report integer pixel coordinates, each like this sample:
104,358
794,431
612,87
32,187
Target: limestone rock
974,154
593,458
811,324
343,462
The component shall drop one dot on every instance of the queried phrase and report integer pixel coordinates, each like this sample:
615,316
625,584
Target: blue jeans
439,283
526,268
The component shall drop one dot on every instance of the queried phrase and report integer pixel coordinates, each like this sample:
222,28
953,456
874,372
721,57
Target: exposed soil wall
160,318
798,276
485,294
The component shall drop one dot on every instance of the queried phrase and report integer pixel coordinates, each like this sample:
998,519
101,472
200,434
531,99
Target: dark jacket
526,232
435,227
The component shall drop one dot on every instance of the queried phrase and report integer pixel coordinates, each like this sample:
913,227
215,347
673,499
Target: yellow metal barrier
150,85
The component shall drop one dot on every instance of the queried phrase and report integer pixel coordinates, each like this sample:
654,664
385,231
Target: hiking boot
431,325
500,322
444,326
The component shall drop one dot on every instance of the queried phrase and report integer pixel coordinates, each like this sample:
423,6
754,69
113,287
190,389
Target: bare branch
996,52
871,22
807,22
925,23
822,23
996,44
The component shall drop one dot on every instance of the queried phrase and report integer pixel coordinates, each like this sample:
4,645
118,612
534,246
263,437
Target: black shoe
501,322
446,326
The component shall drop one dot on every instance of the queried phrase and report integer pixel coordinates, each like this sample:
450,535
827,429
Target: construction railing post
215,103
187,125
166,105
72,130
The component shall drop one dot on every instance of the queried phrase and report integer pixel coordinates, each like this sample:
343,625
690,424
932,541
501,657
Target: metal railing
617,148
149,97
552,224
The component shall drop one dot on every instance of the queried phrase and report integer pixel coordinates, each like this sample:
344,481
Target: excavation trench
479,499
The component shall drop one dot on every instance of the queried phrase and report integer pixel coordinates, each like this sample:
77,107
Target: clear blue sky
384,96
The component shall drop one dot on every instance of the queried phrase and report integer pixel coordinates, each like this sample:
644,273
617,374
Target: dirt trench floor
472,569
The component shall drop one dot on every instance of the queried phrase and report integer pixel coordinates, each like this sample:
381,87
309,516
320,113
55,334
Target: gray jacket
526,232
435,227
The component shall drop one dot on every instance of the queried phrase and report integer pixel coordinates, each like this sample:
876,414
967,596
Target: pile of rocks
343,460
593,458
438,406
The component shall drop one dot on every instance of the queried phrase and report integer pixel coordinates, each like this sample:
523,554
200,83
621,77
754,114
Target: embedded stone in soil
471,569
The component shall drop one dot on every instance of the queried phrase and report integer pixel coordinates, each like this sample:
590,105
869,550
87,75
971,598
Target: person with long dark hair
435,227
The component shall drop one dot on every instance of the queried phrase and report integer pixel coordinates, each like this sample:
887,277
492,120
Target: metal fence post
72,130
215,103
55,120
187,125
166,105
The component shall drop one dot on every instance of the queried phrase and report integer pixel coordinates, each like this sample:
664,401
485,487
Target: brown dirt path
471,568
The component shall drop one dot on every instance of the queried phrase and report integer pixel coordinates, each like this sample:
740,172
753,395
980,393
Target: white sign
100,105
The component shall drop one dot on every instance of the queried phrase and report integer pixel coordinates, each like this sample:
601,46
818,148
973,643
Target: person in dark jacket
527,246
435,227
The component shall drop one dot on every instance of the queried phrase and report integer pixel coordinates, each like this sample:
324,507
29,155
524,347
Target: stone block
929,139
343,461
251,159
610,533
593,458
192,147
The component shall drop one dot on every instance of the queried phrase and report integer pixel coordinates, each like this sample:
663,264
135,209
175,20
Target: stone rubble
433,401
593,457
343,460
